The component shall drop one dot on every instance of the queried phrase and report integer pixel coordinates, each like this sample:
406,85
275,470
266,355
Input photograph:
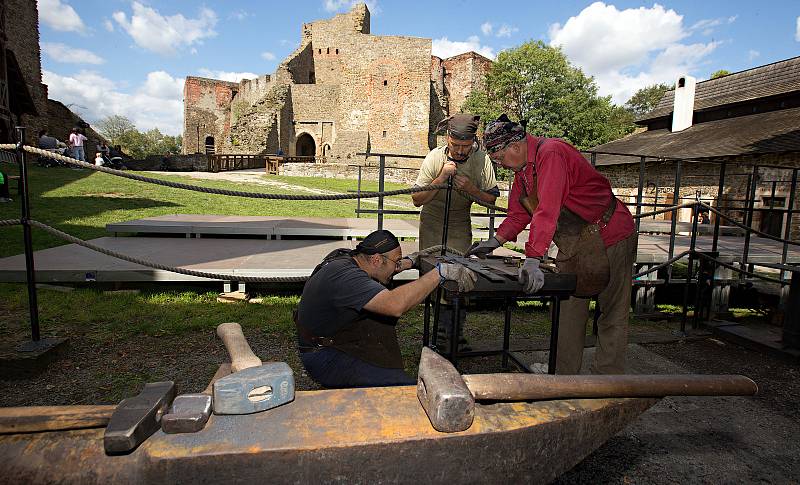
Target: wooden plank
53,418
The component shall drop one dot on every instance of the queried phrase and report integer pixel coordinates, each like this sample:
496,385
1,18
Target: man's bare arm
396,302
422,198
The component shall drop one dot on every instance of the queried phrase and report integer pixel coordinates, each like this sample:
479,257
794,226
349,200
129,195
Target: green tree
113,127
536,83
720,73
646,99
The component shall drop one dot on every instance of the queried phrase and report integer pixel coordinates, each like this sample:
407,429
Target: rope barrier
10,222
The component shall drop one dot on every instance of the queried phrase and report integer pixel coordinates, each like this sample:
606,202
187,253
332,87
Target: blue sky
130,57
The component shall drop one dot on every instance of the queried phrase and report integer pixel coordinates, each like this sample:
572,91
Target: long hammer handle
242,357
515,387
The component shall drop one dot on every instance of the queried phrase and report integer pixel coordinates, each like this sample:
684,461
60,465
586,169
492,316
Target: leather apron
581,250
371,338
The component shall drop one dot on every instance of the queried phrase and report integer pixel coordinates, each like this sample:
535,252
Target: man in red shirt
554,190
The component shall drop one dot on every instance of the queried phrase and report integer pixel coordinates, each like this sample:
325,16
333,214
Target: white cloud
506,31
707,25
239,14
797,32
109,26
60,16
752,54
445,48
486,28
626,50
64,53
166,34
157,103
338,5
268,56
233,77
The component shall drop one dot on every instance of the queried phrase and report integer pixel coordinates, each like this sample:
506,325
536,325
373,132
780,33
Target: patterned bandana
377,242
461,126
500,133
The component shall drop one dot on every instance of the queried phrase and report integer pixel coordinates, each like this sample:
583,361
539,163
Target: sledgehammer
252,387
449,398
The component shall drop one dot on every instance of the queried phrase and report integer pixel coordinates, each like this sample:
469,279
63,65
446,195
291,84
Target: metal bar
446,222
380,189
555,314
453,342
358,201
25,206
720,192
594,159
426,322
373,154
437,307
506,332
787,233
673,226
640,191
749,217
690,269
491,222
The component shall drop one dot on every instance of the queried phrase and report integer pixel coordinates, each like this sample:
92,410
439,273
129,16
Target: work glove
465,277
482,249
530,276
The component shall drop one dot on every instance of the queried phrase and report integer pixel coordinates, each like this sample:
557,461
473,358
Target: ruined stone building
23,96
342,91
745,119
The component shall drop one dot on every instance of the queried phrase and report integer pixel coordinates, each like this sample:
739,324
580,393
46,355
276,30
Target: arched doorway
209,145
305,146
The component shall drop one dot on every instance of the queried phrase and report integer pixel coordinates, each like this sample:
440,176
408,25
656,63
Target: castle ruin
342,91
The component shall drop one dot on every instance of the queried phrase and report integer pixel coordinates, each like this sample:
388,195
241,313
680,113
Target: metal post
426,322
491,223
640,192
30,273
675,201
382,162
689,270
749,220
555,314
594,159
358,201
447,214
506,332
787,234
718,219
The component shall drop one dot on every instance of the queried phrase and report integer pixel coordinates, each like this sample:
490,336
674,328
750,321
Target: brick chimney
683,106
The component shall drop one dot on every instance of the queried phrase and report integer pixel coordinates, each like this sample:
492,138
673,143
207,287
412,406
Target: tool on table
189,413
138,417
449,398
252,387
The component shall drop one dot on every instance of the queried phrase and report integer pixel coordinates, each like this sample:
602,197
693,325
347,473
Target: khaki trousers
612,326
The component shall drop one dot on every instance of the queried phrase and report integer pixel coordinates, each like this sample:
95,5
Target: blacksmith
473,173
564,199
347,317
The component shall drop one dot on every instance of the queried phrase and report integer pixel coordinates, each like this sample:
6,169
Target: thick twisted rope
151,264
10,222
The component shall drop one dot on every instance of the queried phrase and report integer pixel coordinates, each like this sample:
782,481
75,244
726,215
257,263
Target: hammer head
443,394
138,417
254,389
188,414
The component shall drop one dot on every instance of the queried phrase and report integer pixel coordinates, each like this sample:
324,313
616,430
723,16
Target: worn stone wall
463,74
206,112
22,32
659,184
60,121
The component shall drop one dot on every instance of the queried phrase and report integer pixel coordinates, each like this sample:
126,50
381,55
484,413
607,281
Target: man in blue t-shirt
347,316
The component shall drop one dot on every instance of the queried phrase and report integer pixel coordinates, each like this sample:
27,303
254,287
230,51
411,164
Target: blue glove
530,276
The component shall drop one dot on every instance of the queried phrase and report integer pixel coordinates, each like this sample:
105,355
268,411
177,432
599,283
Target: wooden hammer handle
242,357
521,387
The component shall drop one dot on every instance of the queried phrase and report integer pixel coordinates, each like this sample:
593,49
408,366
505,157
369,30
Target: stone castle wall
22,32
207,112
463,74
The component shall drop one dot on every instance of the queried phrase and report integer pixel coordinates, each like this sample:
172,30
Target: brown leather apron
581,250
371,338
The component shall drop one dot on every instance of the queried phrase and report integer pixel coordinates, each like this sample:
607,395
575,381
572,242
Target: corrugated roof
771,132
760,82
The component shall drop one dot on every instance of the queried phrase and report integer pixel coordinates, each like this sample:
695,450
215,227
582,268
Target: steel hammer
449,398
252,387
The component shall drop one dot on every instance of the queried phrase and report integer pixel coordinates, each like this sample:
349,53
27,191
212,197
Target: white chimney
683,107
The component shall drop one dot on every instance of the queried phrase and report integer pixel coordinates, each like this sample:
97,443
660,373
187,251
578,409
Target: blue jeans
77,152
334,369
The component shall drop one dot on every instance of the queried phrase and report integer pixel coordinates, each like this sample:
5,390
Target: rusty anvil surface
356,435
497,276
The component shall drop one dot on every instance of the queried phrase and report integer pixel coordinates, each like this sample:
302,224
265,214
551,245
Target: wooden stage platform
276,246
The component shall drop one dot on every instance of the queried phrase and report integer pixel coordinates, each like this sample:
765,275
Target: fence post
751,202
690,269
381,175
676,198
787,235
358,191
640,192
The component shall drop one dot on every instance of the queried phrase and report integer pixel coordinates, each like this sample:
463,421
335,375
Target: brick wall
206,112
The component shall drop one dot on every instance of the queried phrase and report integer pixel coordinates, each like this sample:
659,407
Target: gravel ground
681,440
